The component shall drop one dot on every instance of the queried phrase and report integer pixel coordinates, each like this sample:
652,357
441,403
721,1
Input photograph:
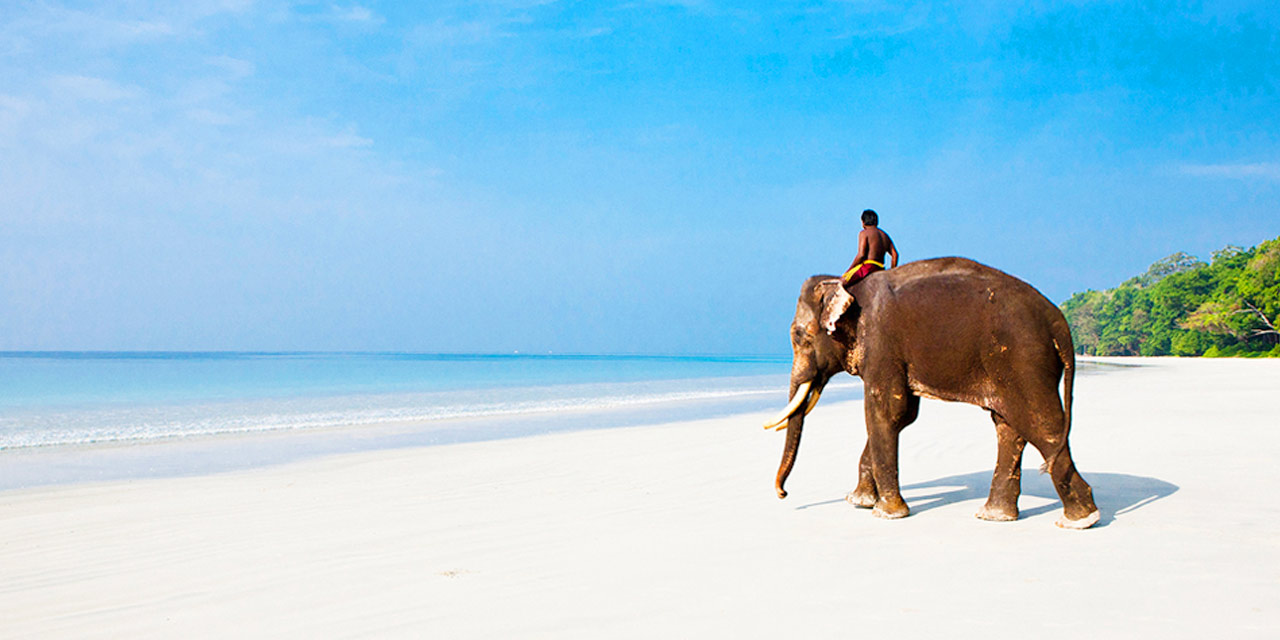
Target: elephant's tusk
813,401
802,393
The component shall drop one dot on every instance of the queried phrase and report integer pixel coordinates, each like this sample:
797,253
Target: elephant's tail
1067,351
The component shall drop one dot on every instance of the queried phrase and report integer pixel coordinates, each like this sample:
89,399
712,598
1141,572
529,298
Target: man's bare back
873,243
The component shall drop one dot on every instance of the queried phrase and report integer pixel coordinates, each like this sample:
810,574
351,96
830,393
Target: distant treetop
1176,263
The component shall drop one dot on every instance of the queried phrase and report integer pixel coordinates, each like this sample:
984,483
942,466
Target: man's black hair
870,218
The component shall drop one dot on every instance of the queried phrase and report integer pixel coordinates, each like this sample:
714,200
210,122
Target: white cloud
355,13
88,88
687,4
346,140
1251,171
236,67
104,30
11,106
210,117
892,21
443,33
139,29
110,27
587,34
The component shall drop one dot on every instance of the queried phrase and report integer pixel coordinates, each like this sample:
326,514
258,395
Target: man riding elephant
949,329
873,244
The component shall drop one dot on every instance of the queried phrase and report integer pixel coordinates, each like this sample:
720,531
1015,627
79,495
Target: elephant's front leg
888,412
1006,482
865,494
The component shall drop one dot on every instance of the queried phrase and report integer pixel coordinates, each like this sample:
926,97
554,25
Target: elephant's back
947,267
951,317
960,291
969,278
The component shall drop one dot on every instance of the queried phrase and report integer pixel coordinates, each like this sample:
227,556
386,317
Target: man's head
869,218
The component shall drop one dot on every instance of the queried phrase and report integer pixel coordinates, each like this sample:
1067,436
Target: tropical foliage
1182,306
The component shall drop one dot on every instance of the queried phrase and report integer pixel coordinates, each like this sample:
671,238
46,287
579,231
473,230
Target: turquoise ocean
77,401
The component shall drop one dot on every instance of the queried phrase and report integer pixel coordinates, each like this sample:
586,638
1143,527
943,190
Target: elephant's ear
838,308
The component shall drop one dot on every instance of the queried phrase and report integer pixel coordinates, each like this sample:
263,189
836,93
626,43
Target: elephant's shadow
1115,493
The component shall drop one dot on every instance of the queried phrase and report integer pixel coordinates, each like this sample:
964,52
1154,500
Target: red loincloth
863,270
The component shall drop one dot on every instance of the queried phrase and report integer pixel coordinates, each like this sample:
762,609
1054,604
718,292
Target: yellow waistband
859,265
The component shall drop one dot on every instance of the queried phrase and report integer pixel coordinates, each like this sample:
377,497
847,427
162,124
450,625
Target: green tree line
1183,306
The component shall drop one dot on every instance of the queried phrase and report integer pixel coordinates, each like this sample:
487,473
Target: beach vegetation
1183,306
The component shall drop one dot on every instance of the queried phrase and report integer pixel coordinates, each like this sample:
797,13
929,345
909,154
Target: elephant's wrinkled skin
952,329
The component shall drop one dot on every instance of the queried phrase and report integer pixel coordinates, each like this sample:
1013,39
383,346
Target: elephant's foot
890,510
861,499
994,513
1082,523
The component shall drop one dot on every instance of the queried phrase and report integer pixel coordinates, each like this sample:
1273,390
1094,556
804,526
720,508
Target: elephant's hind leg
1078,508
1049,435
1006,482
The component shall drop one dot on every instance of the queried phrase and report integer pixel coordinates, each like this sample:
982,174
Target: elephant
950,329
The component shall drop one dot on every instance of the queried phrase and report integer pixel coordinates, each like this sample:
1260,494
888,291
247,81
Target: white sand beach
674,530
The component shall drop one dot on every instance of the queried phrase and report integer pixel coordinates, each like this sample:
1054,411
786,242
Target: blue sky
635,177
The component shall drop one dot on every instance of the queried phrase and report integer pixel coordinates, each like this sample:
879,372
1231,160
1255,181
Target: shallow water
76,417
70,398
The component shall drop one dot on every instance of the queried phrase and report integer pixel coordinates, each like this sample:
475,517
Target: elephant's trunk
804,398
794,426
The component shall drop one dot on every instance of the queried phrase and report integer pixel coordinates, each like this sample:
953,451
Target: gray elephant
951,329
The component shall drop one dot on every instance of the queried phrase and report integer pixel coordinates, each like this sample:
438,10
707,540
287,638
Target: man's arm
893,251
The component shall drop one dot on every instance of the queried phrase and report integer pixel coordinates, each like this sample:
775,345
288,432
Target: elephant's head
816,357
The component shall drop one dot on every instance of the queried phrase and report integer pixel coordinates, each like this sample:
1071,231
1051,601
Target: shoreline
210,453
453,428
207,453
